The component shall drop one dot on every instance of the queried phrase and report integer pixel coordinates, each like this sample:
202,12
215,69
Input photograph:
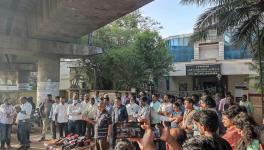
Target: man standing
120,112
125,99
75,116
96,97
23,117
45,108
224,102
76,97
155,105
7,112
103,127
207,123
166,107
108,105
85,103
132,109
61,117
144,113
52,116
90,112
247,104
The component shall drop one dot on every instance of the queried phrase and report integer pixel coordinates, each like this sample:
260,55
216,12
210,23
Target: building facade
213,64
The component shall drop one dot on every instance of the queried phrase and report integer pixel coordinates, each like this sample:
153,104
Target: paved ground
34,137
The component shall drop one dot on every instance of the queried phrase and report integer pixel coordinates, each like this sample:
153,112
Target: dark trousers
160,145
74,127
23,132
5,134
53,126
83,125
90,130
29,128
101,144
63,127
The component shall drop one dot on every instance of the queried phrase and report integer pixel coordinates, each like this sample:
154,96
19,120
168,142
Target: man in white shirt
61,117
90,112
224,103
52,116
23,117
132,109
7,112
144,113
75,116
125,99
85,103
166,107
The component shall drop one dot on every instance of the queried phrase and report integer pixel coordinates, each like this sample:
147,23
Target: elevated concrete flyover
69,19
42,31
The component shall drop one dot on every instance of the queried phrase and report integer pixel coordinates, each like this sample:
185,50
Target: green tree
134,53
151,48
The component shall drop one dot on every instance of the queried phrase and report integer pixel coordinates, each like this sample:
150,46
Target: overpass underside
35,34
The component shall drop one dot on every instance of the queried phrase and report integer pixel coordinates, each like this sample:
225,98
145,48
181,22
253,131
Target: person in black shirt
207,123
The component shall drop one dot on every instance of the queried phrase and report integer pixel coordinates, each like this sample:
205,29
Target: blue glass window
232,52
181,41
186,42
181,50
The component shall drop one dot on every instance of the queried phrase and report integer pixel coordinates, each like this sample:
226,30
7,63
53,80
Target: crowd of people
199,122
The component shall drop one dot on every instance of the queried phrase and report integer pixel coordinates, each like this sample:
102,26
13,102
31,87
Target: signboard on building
203,69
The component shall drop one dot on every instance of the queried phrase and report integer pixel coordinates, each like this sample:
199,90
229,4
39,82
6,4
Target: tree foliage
133,54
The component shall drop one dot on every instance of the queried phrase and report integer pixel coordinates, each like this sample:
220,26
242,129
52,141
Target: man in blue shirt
155,105
108,105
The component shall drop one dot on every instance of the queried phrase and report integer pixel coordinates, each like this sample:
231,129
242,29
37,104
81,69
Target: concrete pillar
23,80
48,77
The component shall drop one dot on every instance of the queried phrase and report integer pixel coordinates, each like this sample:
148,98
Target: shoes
22,147
27,146
42,139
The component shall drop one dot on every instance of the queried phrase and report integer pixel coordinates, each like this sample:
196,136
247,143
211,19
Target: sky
174,17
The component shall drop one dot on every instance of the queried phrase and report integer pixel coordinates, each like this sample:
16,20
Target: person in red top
231,135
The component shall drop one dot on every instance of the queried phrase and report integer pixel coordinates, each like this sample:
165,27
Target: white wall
176,81
236,80
65,74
